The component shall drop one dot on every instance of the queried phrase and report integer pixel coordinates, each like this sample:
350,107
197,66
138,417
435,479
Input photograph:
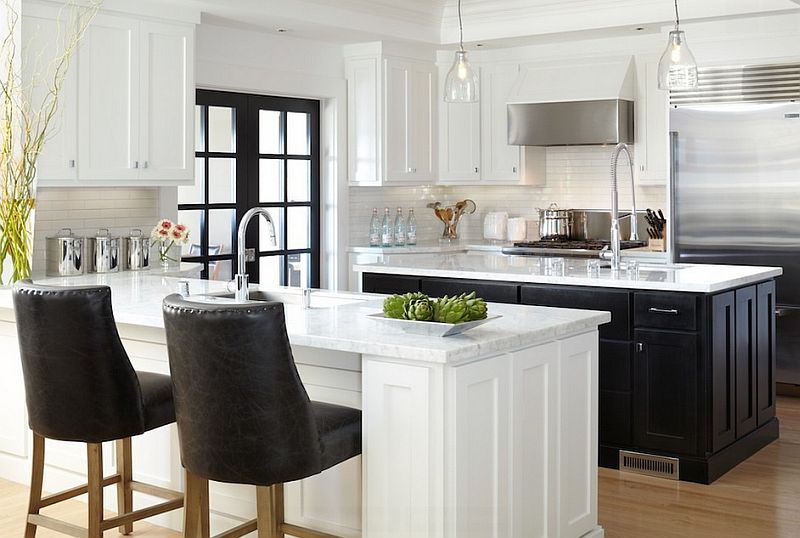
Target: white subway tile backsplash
85,210
577,178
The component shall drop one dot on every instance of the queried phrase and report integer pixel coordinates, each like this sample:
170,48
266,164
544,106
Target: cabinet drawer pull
640,347
670,311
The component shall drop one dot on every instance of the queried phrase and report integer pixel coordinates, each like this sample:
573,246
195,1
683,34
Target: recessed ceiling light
281,30
478,44
640,28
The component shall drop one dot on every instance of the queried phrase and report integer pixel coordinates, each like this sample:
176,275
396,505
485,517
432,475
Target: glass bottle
411,228
375,229
399,228
387,230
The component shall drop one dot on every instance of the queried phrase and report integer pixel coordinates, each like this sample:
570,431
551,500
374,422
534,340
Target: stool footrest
136,515
57,525
74,492
303,532
241,530
155,491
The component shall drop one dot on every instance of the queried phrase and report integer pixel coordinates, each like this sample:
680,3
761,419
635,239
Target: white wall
261,63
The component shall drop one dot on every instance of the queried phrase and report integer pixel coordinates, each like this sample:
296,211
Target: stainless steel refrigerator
735,194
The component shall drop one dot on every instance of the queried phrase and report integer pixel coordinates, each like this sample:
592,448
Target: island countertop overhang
345,327
692,278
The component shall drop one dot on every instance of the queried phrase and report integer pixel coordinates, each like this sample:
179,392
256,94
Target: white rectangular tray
430,328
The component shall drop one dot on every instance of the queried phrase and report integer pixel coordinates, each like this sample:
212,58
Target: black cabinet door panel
615,301
380,283
746,349
615,418
766,351
495,292
723,370
665,310
616,368
666,385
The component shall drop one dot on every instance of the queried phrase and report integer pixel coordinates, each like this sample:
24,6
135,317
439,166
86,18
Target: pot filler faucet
242,279
614,254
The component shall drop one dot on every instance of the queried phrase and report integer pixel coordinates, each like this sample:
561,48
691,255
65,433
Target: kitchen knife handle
670,311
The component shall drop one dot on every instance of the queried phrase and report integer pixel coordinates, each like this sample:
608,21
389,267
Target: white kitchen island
489,433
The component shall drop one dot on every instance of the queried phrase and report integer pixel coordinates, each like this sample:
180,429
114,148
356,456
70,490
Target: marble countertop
573,272
339,321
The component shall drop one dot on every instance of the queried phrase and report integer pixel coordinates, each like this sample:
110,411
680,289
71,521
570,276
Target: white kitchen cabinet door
364,121
166,149
459,140
500,161
42,42
409,144
108,100
421,121
652,125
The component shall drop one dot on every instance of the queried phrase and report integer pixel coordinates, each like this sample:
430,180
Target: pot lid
64,233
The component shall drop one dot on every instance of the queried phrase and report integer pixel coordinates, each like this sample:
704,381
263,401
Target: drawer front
494,292
375,283
666,311
615,301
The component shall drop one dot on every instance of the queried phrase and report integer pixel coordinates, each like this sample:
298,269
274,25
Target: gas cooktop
565,248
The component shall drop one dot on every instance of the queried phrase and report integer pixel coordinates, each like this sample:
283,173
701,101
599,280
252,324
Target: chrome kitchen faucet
241,278
614,253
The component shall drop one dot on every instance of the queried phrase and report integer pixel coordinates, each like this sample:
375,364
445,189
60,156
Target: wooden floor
758,499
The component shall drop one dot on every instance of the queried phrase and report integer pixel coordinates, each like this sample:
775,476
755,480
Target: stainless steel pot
64,254
555,223
104,252
137,251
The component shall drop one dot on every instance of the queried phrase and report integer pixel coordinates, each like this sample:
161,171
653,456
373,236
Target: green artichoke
395,306
476,306
450,310
419,310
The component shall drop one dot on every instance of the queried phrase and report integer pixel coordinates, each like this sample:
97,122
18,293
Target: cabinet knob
514,169
410,170
136,164
639,347
72,163
144,164
476,169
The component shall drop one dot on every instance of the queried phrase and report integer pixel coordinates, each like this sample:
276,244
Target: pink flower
166,224
163,232
180,227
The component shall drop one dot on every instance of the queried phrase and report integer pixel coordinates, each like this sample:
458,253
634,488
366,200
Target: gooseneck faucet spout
614,253
242,279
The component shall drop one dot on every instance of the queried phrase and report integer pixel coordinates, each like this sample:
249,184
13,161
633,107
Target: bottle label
412,238
387,239
375,239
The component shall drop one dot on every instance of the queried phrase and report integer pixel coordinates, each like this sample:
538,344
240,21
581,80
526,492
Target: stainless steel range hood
573,104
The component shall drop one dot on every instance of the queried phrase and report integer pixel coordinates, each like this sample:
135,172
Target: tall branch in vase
28,106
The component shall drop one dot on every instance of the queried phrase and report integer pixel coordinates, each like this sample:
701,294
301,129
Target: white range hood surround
590,79
576,103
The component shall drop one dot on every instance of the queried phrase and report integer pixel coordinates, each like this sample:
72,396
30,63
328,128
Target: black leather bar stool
243,413
81,386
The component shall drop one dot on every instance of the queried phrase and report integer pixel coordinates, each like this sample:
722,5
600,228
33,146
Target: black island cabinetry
683,375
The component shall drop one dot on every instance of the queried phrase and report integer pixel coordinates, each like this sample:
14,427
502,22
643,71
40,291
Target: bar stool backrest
79,382
243,414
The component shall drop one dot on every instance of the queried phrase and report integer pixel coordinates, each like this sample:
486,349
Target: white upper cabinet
501,162
126,115
108,100
40,32
651,125
167,102
473,137
391,118
459,139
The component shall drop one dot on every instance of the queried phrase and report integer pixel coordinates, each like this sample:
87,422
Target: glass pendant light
461,83
677,69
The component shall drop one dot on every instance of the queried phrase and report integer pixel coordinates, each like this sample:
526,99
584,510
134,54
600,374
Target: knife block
658,245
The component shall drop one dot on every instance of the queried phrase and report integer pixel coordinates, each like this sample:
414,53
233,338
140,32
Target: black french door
255,151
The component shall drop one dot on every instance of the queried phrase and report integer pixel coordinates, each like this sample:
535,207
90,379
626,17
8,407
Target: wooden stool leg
124,491
94,453
269,508
195,507
37,476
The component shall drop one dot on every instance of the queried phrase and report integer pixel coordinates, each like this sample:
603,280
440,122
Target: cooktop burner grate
584,245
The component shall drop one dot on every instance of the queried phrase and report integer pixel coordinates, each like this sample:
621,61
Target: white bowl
430,328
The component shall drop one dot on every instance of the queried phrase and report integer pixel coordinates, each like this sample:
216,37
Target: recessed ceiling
436,22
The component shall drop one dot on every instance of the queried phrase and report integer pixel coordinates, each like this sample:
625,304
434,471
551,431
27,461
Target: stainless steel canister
137,251
64,254
105,252
555,223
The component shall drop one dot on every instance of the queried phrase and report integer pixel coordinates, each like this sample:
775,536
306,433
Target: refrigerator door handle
672,233
782,312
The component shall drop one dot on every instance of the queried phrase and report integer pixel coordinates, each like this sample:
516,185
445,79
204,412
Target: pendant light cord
461,26
677,16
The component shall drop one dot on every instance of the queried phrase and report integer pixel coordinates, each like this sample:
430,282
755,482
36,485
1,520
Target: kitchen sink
319,299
